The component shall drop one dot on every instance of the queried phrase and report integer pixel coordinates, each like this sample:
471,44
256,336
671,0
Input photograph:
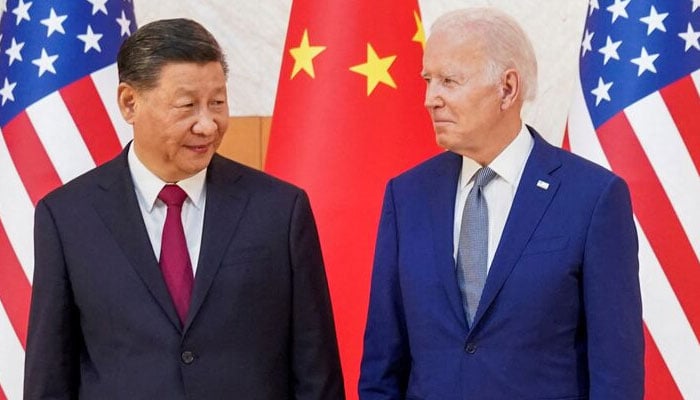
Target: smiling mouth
199,148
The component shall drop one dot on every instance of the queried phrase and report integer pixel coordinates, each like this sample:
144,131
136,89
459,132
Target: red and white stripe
654,145
54,140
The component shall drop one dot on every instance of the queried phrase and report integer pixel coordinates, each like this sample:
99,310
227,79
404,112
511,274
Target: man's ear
510,88
126,97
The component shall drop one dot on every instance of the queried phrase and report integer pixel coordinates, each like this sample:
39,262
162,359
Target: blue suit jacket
560,314
102,324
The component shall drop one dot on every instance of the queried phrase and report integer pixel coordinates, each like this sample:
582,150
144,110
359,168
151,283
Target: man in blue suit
171,272
505,268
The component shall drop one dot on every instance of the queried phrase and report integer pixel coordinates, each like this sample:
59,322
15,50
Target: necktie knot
172,195
484,176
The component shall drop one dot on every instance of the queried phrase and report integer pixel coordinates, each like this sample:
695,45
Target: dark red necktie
174,258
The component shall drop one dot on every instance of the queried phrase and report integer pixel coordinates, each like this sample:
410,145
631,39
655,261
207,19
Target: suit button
470,348
187,357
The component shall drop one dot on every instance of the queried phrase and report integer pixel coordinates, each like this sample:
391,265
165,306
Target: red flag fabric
58,118
635,111
348,116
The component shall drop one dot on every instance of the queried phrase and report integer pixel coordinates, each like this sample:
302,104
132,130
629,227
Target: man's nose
205,124
432,97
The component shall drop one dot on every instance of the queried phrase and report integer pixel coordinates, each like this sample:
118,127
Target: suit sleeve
612,299
315,358
53,340
386,360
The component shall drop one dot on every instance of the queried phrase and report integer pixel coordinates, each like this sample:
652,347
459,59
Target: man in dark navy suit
171,272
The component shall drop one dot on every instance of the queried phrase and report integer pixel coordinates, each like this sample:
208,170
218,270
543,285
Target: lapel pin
542,184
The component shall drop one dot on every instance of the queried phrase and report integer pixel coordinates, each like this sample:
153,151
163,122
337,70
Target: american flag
636,110
58,118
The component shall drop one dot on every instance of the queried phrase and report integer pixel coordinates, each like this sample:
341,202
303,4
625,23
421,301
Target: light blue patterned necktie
472,253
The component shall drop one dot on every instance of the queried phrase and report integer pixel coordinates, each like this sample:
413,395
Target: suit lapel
442,191
224,208
118,207
529,205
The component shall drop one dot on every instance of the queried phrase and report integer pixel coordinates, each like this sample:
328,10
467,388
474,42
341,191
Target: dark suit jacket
560,314
102,324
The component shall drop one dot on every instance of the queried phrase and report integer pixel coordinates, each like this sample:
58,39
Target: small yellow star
375,69
304,55
420,32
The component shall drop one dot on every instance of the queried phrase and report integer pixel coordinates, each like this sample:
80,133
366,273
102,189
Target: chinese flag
349,115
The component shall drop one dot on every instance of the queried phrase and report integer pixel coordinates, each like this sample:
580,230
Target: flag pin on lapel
542,184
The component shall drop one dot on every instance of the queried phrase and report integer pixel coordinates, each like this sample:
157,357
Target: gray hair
506,43
142,56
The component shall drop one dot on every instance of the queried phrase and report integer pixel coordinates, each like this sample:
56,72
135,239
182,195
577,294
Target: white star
691,38
91,40
54,23
98,5
645,62
3,6
601,92
22,11
15,51
696,5
654,21
592,6
124,23
610,50
6,91
618,9
45,62
586,44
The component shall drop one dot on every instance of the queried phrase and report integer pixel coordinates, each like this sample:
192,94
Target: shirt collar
508,164
149,185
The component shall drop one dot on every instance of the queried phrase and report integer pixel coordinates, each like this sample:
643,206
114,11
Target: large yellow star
375,69
304,56
420,32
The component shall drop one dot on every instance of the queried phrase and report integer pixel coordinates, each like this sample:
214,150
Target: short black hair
142,56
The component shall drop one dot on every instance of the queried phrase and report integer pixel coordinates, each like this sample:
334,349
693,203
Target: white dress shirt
499,193
153,210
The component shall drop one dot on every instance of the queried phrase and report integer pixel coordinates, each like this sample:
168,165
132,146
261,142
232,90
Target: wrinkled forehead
444,47
190,77
459,34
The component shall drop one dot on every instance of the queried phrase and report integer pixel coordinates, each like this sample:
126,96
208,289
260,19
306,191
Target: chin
443,140
195,166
